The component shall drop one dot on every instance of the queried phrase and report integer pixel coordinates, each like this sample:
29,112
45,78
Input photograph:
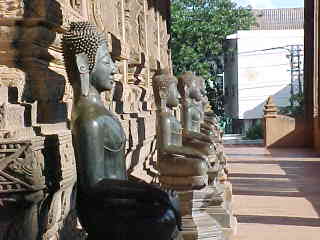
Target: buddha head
203,92
87,60
165,89
187,85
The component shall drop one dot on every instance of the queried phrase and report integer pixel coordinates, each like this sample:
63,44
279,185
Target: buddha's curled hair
81,37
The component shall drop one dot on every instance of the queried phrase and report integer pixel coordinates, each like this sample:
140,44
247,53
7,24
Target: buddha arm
166,146
90,153
192,135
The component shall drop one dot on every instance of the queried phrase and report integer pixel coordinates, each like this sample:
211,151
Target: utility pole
296,71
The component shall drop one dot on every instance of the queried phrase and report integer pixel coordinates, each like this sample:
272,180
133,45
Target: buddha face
102,78
194,91
173,94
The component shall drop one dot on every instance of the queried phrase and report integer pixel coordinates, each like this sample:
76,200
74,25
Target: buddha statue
192,115
208,121
108,204
209,126
181,167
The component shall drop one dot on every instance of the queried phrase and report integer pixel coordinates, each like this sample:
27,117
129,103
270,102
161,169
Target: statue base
220,208
197,223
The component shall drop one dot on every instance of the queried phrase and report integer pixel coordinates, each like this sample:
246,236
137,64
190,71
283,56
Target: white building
259,64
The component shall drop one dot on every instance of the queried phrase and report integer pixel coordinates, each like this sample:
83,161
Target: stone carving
141,30
129,99
11,116
208,126
76,5
19,165
135,24
22,182
36,187
119,19
32,176
10,8
108,204
31,61
61,217
179,163
220,205
180,167
192,115
164,40
153,36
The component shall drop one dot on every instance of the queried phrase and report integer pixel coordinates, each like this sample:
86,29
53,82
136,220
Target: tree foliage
199,28
297,107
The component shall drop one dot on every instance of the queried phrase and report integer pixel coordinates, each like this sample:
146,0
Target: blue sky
271,3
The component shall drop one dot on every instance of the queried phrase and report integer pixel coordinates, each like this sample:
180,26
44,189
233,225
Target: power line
269,49
265,66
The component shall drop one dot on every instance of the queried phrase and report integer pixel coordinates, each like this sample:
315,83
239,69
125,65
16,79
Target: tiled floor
276,193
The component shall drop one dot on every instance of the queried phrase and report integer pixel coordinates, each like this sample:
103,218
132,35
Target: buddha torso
111,134
194,116
114,143
176,131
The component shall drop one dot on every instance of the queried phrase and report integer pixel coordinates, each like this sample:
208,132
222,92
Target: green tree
199,28
297,109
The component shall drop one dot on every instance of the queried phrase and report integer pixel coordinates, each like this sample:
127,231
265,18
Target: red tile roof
279,19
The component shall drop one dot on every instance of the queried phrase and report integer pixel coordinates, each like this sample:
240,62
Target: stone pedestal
197,223
220,208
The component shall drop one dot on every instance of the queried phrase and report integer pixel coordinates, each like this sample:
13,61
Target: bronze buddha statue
108,204
192,115
181,167
209,126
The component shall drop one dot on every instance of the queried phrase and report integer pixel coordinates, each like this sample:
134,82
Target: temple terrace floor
276,193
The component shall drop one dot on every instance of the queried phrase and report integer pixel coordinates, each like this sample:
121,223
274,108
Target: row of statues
108,203
190,150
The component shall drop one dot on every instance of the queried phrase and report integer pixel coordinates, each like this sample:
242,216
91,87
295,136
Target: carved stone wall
31,60
36,98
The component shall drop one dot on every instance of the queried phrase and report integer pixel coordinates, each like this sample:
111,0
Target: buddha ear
83,68
186,91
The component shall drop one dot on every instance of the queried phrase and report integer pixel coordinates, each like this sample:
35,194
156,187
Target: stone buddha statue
108,204
208,120
192,115
209,126
181,167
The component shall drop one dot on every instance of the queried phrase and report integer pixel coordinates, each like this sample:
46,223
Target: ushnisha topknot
81,37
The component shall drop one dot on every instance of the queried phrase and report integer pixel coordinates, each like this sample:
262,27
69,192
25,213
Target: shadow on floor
279,220
300,178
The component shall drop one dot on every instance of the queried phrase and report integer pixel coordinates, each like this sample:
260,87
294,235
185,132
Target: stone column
270,112
311,71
